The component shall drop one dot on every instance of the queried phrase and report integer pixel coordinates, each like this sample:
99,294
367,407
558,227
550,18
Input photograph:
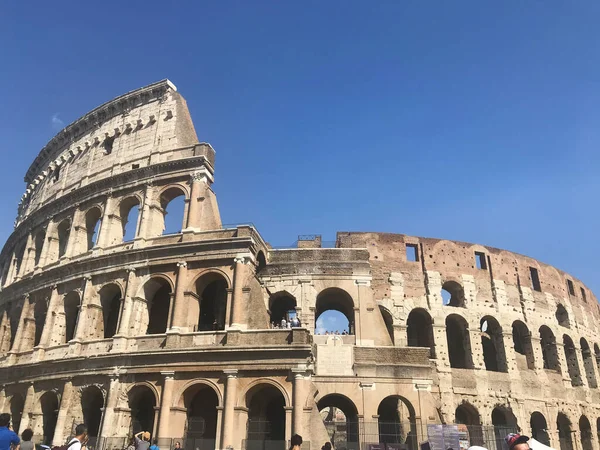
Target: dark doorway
266,418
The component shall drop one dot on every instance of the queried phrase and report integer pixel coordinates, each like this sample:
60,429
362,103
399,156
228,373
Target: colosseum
209,336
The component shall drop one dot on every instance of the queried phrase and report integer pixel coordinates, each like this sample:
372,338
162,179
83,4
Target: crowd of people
294,322
333,333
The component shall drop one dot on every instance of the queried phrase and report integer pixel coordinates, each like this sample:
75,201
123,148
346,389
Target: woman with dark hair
26,443
326,446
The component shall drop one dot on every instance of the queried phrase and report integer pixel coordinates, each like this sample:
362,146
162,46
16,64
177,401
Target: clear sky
474,121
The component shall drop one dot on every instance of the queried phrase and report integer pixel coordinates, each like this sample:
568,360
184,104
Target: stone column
27,408
17,344
28,262
288,424
127,304
108,417
50,244
228,411
229,306
148,214
166,398
298,400
50,313
194,212
63,412
180,310
238,316
108,223
81,325
77,243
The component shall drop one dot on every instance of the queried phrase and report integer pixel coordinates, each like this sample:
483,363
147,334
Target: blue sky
474,121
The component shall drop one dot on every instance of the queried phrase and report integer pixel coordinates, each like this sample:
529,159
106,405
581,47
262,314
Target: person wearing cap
516,441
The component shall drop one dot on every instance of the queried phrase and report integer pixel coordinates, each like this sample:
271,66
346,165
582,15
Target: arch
597,356
92,404
266,417
504,422
522,344
282,306
212,294
201,400
158,292
562,316
459,342
49,406
343,428
198,383
549,349
492,343
64,231
93,218
453,294
17,403
572,364
467,415
39,241
264,381
563,425
71,304
585,433
336,299
129,213
110,300
261,261
588,363
539,428
142,400
388,320
397,422
172,201
419,330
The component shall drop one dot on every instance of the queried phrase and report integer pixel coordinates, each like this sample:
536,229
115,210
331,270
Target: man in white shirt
80,439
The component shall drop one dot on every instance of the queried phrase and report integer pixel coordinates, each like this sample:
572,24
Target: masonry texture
107,319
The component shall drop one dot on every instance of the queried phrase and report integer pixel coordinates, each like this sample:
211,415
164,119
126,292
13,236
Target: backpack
64,447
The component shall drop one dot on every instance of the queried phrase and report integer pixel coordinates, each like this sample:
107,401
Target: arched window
504,422
261,261
419,330
492,342
562,316
326,319
92,226
172,202
129,211
340,417
212,290
71,309
142,402
539,428
597,355
40,239
453,294
389,322
17,403
397,423
564,432
92,404
459,342
588,363
110,300
549,350
201,403
522,345
49,406
64,231
585,433
282,306
158,292
572,364
266,418
468,415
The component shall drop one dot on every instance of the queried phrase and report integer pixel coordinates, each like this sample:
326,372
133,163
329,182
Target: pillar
148,213
107,427
82,318
238,319
107,225
28,262
27,408
228,432
194,213
123,328
180,310
77,242
48,323
63,412
50,245
298,396
166,399
17,344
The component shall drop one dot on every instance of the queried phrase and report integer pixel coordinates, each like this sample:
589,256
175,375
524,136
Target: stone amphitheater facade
171,332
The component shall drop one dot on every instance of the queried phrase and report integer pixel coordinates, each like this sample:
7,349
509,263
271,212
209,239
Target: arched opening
597,355
49,404
129,211
282,307
522,345
142,403
572,364
110,300
172,202
158,292
389,322
492,342
539,428
549,350
17,403
201,402
328,301
588,363
453,294
419,330
212,289
585,433
261,261
340,417
397,423
40,239
266,418
92,403
562,316
64,231
504,422
459,343
40,310
71,309
563,424
467,416
92,226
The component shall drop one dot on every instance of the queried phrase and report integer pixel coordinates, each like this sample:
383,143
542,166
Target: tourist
294,322
177,446
516,441
283,323
26,443
326,446
154,445
296,442
80,439
142,440
7,436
